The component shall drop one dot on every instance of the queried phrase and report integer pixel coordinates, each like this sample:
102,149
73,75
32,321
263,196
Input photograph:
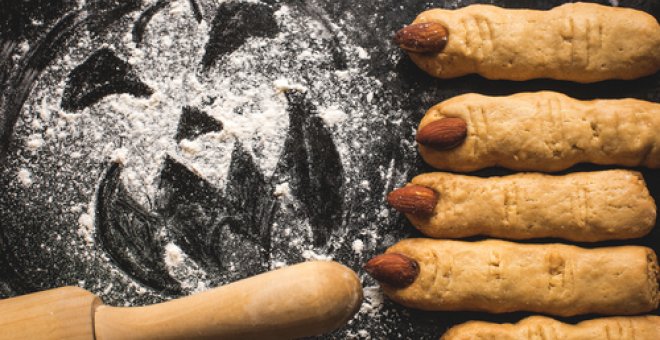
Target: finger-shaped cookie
498,276
578,42
541,131
539,327
581,206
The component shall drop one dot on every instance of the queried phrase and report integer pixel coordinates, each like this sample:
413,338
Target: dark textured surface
215,227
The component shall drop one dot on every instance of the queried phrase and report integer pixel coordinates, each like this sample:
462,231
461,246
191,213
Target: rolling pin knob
61,313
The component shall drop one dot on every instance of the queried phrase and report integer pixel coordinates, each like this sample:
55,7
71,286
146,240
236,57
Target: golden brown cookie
581,206
498,277
541,131
539,327
579,42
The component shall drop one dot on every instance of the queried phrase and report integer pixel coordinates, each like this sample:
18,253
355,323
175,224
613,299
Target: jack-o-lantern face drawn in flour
186,144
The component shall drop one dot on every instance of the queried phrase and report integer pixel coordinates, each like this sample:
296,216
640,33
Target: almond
426,37
443,134
396,270
413,199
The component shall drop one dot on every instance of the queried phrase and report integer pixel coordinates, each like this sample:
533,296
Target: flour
373,301
120,156
86,222
246,92
309,255
191,148
358,246
35,142
25,177
282,190
173,255
283,85
279,264
332,115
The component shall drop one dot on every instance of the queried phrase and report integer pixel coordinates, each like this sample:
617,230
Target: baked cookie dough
579,42
539,327
581,206
546,131
498,277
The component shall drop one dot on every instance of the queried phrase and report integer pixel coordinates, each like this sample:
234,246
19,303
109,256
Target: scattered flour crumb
360,334
34,142
190,147
384,213
282,85
362,53
614,3
25,177
332,115
36,124
358,246
279,264
370,97
120,156
86,222
311,255
282,190
373,301
173,255
24,46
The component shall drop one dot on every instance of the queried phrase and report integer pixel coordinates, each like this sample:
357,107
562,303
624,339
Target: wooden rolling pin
301,300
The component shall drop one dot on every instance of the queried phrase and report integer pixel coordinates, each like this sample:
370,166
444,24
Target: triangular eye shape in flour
131,234
313,167
194,123
102,74
233,24
22,20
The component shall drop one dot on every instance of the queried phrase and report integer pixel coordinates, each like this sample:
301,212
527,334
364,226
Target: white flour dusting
332,115
34,142
282,190
173,255
245,91
309,254
25,177
358,246
373,301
